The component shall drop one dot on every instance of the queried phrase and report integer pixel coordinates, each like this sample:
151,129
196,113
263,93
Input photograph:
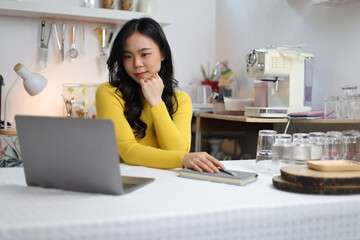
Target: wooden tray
302,174
334,165
284,185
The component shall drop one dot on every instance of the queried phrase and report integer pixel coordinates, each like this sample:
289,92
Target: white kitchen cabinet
75,13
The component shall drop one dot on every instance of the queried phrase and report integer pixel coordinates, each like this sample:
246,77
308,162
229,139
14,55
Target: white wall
191,36
332,34
201,31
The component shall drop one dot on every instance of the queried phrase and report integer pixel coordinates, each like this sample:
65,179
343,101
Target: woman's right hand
152,89
200,161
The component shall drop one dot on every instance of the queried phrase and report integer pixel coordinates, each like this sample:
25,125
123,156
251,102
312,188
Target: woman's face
142,57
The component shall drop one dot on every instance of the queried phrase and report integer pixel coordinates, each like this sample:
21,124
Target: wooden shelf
243,118
327,120
75,13
276,120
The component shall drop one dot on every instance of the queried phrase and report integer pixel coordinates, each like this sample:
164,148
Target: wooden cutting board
284,185
334,165
303,175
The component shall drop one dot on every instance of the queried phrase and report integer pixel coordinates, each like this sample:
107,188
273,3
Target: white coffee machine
289,73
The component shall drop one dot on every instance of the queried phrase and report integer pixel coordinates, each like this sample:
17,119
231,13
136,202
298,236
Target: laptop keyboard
129,185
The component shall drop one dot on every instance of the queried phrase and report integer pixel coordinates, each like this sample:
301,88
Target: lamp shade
33,83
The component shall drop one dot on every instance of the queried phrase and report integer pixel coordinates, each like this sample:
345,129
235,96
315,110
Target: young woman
152,120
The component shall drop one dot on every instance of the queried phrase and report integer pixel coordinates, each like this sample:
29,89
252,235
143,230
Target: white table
174,208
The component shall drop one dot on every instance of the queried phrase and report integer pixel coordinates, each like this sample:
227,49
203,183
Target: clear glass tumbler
355,106
345,102
351,144
333,146
266,139
302,148
317,141
282,152
331,107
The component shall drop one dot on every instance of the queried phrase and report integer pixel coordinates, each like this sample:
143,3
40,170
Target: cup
266,139
88,3
302,148
282,152
333,146
317,142
344,106
345,102
331,107
147,6
355,106
351,144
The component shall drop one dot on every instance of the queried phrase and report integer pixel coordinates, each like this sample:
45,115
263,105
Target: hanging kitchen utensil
57,36
103,56
101,32
112,31
63,41
73,53
82,41
43,47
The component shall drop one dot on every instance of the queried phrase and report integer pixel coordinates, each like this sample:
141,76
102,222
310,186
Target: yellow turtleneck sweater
166,141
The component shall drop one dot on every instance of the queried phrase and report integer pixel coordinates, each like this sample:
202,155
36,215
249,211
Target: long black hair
127,86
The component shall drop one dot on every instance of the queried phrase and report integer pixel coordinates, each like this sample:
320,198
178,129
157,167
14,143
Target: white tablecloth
174,208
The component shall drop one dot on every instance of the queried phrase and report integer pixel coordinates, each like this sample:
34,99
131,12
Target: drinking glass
351,141
331,107
302,148
355,106
266,139
282,152
333,146
345,102
317,142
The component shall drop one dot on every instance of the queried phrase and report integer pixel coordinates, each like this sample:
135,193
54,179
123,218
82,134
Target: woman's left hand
152,89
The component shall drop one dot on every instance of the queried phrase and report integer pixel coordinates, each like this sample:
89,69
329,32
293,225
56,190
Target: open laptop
73,154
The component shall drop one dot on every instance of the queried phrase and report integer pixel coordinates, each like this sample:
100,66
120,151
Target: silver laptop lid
70,154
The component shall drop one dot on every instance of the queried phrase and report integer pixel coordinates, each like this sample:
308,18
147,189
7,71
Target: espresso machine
288,73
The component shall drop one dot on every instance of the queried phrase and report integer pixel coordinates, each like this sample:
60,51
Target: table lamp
34,83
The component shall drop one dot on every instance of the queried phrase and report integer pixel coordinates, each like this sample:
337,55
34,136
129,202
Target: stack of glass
278,150
346,105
